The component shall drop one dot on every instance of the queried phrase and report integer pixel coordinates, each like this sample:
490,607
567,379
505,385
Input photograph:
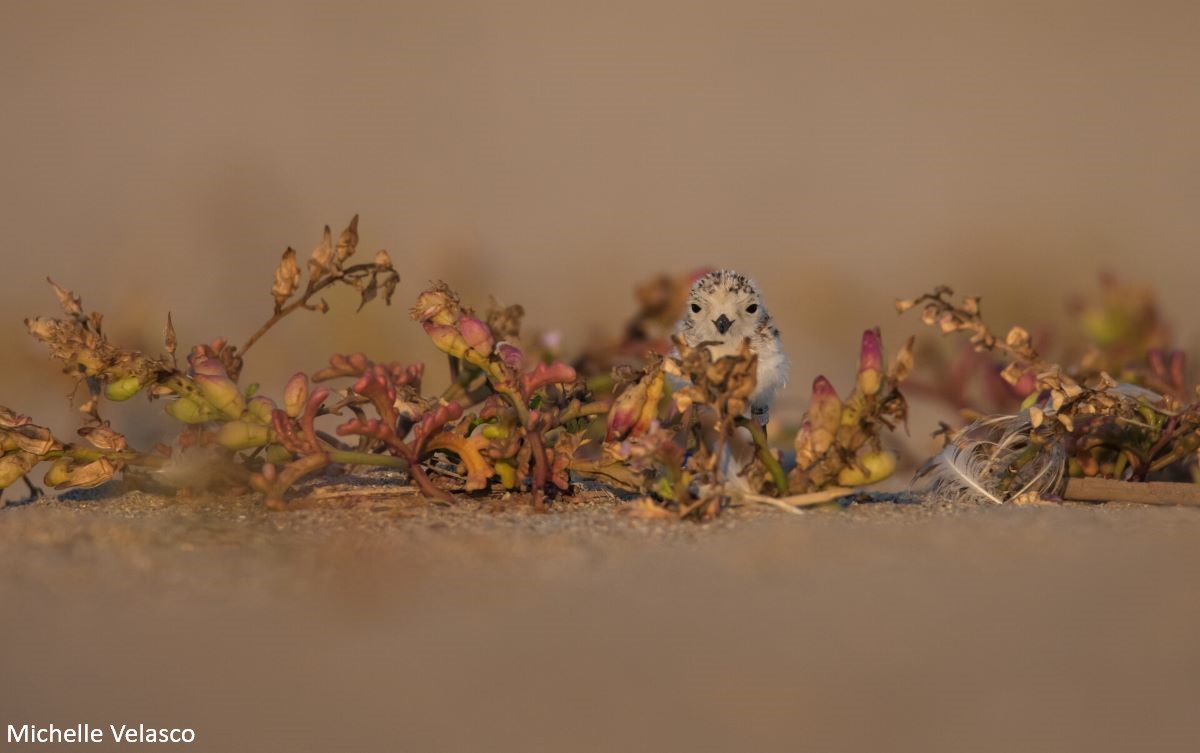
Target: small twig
1137,492
302,301
811,499
771,502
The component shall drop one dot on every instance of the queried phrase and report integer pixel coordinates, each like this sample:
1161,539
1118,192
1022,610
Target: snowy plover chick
724,309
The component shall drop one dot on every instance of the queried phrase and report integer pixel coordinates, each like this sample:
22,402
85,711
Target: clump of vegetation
639,412
643,411
839,441
1075,420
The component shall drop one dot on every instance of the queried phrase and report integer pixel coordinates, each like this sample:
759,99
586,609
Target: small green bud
259,408
190,411
242,435
123,389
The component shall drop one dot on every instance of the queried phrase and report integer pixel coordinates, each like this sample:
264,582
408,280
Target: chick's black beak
723,323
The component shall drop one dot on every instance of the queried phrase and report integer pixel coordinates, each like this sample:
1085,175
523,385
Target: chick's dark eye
695,308
752,308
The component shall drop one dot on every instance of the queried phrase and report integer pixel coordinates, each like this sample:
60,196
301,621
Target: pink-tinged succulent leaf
543,374
313,407
367,427
433,422
376,385
407,376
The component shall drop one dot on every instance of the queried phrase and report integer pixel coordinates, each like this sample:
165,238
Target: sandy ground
378,621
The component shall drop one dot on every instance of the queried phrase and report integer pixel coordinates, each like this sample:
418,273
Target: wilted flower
437,305
15,465
321,260
348,242
287,278
636,407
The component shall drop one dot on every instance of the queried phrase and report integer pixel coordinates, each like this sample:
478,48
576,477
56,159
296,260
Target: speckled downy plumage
725,308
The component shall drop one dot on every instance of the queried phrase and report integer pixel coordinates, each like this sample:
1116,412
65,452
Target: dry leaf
348,242
169,338
321,261
104,438
88,476
1036,416
1017,337
70,302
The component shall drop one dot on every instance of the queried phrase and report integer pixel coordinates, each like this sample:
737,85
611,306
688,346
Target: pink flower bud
870,363
476,334
511,355
217,388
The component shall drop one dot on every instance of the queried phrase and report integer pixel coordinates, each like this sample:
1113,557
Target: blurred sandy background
161,155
